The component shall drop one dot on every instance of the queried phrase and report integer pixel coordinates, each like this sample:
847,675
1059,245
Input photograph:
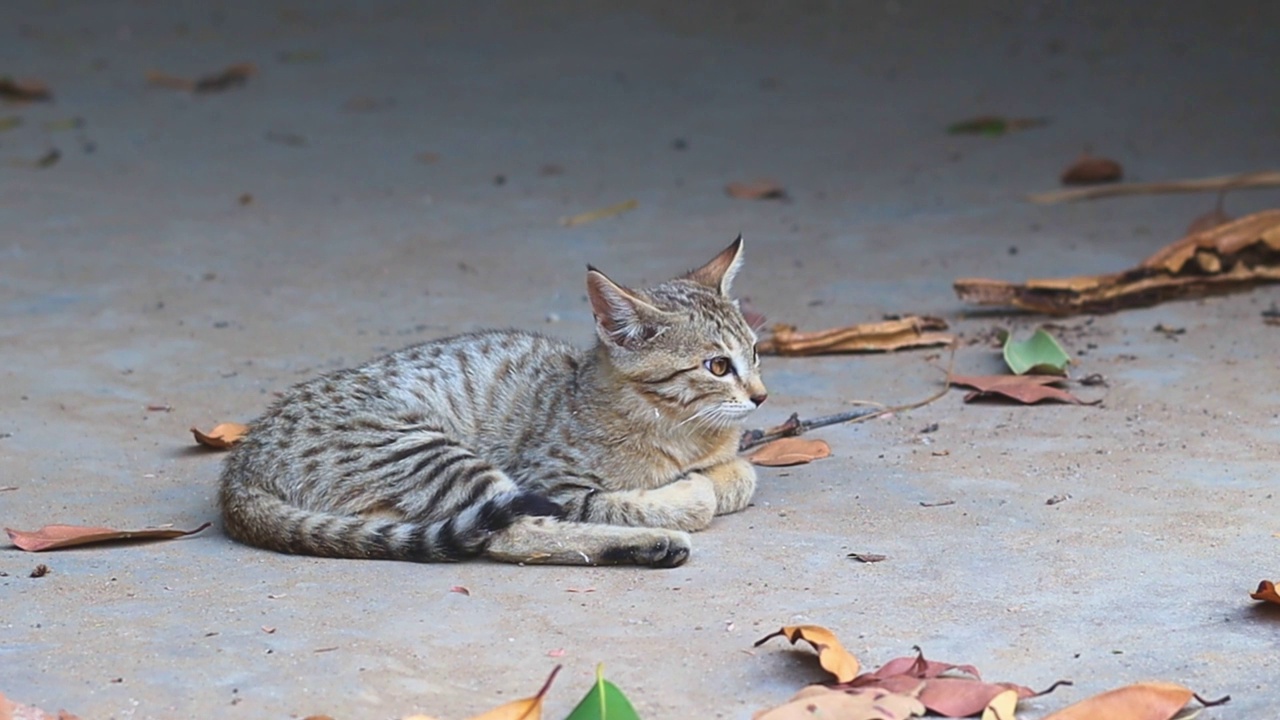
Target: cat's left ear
718,274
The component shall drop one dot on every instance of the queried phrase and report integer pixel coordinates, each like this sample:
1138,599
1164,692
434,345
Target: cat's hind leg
548,541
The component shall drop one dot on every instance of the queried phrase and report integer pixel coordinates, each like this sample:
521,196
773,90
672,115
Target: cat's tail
255,516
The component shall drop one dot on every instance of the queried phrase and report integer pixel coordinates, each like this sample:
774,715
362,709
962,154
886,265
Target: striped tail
255,516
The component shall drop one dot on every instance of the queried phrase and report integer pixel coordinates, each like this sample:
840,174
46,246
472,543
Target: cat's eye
718,366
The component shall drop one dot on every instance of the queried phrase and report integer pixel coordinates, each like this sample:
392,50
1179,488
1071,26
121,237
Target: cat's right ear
621,317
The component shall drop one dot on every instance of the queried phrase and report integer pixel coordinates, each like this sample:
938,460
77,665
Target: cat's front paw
734,483
687,504
657,549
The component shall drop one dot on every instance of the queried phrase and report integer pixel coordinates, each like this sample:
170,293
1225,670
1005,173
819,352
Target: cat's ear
621,317
718,274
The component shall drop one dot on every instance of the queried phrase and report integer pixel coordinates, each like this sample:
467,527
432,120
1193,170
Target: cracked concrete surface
133,276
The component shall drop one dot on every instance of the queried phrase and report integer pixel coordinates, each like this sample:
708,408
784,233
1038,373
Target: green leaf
1039,354
604,701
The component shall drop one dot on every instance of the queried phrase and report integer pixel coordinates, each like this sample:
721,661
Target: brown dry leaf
831,654
223,436
232,76
460,589
23,91
1228,257
946,694
55,537
10,710
601,214
1002,706
756,190
1142,701
529,708
1266,592
911,331
1026,389
1090,170
789,451
818,701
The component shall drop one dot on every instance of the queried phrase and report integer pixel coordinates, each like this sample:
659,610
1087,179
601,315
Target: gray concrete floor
131,276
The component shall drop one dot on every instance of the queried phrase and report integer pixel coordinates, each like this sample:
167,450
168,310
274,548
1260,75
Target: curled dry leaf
939,687
10,710
1142,701
1228,257
529,708
911,331
223,436
55,537
1090,170
1266,592
831,654
460,589
789,451
1026,389
232,76
756,190
818,701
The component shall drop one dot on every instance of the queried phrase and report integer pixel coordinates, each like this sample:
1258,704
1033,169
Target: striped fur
515,446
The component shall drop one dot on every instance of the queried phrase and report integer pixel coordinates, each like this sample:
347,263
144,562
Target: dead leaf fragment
460,590
911,331
39,571
1002,706
756,190
994,125
24,91
1266,592
831,654
529,708
1229,257
223,436
818,701
602,213
230,77
1090,170
55,537
867,557
1141,701
1026,389
790,451
10,710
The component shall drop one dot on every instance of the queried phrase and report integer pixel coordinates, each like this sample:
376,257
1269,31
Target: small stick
1262,179
795,426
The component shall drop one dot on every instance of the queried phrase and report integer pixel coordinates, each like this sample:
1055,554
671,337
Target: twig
795,426
1261,179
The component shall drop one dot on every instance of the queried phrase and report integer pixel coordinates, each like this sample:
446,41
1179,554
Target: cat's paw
687,504
657,549
734,483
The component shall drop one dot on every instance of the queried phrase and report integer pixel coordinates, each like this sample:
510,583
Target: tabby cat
516,447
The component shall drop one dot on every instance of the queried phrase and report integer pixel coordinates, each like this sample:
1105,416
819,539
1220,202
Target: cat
516,447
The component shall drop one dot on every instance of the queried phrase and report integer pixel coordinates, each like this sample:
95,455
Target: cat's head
683,345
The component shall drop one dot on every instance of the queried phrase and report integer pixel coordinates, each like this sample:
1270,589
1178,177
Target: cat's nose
759,399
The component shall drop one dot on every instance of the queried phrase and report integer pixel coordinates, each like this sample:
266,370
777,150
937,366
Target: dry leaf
460,590
757,190
867,557
902,333
232,76
818,701
1266,592
1090,170
789,451
55,537
1002,706
223,436
10,710
946,694
529,708
1026,389
23,91
1143,701
1228,257
831,654
602,213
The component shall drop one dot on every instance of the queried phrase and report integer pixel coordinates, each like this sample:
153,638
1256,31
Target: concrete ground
131,275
